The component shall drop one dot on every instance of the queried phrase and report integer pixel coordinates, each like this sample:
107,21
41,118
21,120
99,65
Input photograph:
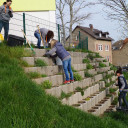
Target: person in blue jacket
59,50
122,83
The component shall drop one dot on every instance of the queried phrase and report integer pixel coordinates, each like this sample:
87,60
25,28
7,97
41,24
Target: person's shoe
67,82
119,108
72,81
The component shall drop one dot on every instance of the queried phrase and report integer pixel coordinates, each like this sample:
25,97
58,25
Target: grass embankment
23,104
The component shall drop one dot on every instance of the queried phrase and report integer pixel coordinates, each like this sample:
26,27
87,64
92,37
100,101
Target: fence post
58,32
24,26
79,39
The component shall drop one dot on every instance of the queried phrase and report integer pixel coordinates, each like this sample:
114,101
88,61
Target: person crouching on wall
57,47
122,83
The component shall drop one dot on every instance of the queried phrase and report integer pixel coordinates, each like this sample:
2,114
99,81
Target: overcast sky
100,21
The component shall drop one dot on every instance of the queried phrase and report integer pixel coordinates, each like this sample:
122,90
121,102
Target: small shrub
64,95
89,66
88,75
86,60
80,90
43,75
23,63
97,55
33,75
112,90
77,77
113,68
73,69
40,63
115,101
101,65
90,56
46,84
104,60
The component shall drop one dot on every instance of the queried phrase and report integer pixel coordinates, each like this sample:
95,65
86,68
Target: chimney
91,26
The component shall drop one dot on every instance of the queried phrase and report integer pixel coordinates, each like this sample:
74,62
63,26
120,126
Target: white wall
46,19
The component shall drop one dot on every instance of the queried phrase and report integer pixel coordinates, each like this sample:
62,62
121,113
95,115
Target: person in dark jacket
46,34
122,83
57,47
5,14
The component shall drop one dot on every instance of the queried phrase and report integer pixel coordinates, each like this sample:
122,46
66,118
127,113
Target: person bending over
46,34
57,47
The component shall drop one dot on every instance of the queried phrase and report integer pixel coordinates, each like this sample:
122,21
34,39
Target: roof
120,44
94,32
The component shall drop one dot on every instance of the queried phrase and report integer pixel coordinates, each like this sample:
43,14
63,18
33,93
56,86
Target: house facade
120,53
98,41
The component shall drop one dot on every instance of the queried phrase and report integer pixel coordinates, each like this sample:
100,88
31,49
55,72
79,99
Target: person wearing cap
5,14
46,34
122,83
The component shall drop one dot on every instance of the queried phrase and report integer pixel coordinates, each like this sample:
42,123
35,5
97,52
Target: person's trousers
4,25
122,95
37,35
68,69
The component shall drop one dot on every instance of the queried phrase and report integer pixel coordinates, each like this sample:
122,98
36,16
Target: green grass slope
23,104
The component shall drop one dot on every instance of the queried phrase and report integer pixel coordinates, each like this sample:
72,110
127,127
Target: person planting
5,14
59,50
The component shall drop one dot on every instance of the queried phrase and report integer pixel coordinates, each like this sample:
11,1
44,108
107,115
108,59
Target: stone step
104,69
68,88
56,79
41,52
104,105
76,97
92,71
92,100
98,59
31,60
53,70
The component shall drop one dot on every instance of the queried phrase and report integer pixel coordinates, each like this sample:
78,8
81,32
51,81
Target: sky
100,21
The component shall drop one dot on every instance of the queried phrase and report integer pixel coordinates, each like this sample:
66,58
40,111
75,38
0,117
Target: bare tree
118,9
60,5
76,14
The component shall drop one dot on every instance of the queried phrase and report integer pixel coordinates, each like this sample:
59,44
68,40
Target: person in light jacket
57,47
46,34
5,14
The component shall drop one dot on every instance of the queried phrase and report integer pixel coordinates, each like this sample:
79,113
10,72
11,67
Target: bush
101,65
46,84
78,89
89,66
97,55
73,69
90,56
112,90
104,60
43,75
86,60
64,95
40,63
33,75
113,68
88,75
77,77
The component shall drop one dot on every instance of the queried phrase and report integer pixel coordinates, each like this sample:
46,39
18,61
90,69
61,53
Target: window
100,47
107,58
77,37
106,47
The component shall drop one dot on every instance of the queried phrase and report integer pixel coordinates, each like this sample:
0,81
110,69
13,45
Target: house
120,53
98,41
37,12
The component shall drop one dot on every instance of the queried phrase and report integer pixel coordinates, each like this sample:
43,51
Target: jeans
67,68
37,35
6,28
122,95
